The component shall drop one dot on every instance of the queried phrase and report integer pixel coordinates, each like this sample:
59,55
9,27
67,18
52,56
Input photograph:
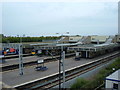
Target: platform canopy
51,45
92,47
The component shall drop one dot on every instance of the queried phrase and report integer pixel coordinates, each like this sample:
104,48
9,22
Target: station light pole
20,60
62,64
63,67
60,72
20,57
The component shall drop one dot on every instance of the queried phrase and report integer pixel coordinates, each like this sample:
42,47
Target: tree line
26,39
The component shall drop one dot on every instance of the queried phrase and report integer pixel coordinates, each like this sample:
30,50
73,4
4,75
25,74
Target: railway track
16,66
15,56
53,80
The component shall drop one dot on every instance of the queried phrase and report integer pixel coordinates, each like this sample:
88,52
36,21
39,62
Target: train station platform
12,78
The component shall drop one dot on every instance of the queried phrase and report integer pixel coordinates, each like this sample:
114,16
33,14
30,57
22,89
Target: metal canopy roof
82,48
75,46
40,44
51,45
93,47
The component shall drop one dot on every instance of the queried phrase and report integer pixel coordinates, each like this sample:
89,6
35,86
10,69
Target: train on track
9,51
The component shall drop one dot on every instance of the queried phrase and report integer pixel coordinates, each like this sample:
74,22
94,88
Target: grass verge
98,78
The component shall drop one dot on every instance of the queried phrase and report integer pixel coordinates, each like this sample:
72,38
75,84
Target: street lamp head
113,69
68,32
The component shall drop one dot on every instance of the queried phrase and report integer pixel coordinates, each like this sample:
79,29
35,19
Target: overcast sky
49,18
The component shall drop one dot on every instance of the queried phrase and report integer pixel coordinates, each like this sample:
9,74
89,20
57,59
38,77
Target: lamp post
20,60
61,64
20,57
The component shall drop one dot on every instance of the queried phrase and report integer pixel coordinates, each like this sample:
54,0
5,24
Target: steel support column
20,60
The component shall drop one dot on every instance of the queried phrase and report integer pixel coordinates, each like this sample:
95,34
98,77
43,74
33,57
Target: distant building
75,39
93,39
98,39
116,39
70,39
113,81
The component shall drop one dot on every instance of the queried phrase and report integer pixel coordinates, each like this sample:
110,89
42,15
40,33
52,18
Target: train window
115,86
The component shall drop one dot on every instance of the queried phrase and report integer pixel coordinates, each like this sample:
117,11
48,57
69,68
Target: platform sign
77,53
40,61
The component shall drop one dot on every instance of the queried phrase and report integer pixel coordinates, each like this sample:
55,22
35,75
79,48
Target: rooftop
114,76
